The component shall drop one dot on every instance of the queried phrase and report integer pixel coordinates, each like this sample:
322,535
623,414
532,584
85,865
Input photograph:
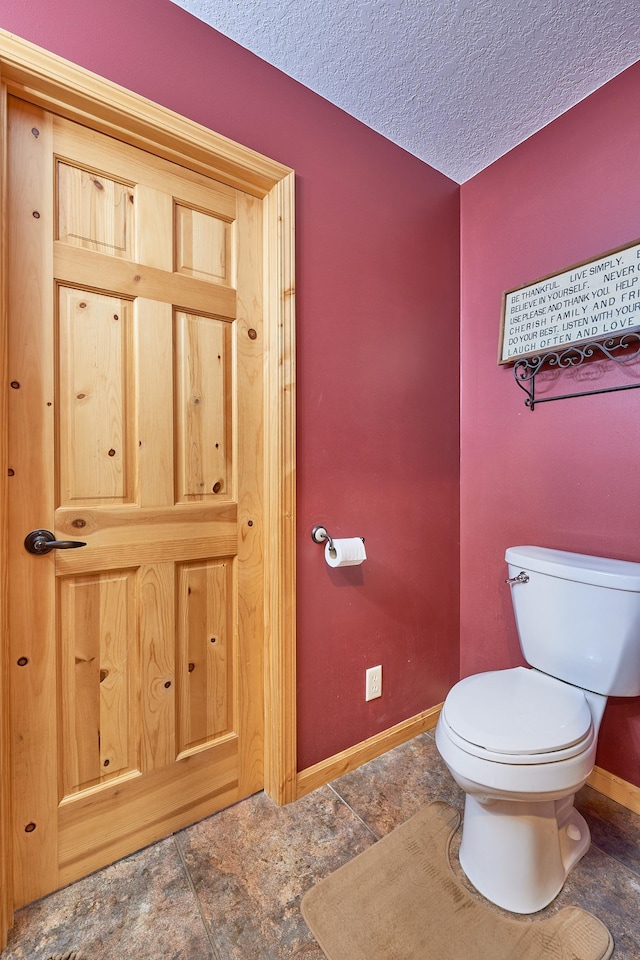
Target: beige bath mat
399,900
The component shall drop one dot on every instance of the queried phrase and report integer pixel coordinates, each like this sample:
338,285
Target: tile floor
229,887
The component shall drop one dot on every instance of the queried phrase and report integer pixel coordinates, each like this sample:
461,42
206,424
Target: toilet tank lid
600,571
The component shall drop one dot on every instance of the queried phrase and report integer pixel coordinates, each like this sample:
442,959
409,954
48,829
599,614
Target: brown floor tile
251,865
141,907
614,829
388,790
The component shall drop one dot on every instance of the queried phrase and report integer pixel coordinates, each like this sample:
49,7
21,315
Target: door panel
94,211
204,245
203,408
95,395
98,681
135,427
205,620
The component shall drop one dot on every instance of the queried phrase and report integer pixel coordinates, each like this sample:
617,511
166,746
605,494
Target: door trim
38,76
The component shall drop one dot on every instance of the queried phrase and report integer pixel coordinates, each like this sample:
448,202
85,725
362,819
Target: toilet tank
578,618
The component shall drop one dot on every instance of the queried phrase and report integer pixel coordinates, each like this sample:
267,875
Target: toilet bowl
520,742
521,833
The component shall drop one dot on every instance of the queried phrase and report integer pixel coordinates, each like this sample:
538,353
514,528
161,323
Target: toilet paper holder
319,535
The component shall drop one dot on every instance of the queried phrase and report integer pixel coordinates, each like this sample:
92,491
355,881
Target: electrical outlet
373,684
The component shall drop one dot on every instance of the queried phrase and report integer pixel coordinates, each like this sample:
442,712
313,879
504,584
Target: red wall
377,304
377,293
565,475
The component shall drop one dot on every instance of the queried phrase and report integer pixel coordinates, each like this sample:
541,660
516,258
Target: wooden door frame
45,79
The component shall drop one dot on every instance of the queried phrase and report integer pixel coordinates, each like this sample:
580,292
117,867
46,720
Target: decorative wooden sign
593,300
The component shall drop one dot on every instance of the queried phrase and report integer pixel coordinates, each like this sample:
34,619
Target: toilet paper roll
345,553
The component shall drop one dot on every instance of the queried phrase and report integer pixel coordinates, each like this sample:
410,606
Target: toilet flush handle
521,578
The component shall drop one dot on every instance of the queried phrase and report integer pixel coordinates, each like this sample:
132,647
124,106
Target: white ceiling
458,83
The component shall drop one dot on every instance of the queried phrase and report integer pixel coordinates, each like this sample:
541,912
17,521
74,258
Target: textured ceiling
458,83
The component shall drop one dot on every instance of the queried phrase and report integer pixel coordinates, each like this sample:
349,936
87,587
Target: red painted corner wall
567,474
377,307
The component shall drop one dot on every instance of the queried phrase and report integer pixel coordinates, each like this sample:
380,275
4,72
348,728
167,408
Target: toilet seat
518,716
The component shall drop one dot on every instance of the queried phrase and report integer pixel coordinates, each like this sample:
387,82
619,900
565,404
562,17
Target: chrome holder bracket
319,535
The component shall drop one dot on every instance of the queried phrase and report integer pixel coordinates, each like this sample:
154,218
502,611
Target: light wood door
135,426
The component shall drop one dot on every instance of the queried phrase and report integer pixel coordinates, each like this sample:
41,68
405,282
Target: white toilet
521,742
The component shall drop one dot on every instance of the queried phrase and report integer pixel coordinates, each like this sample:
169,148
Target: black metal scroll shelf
526,369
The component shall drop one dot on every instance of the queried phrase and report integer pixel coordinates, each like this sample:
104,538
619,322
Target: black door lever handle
40,542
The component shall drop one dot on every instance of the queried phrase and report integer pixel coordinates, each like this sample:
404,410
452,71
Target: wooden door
135,427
